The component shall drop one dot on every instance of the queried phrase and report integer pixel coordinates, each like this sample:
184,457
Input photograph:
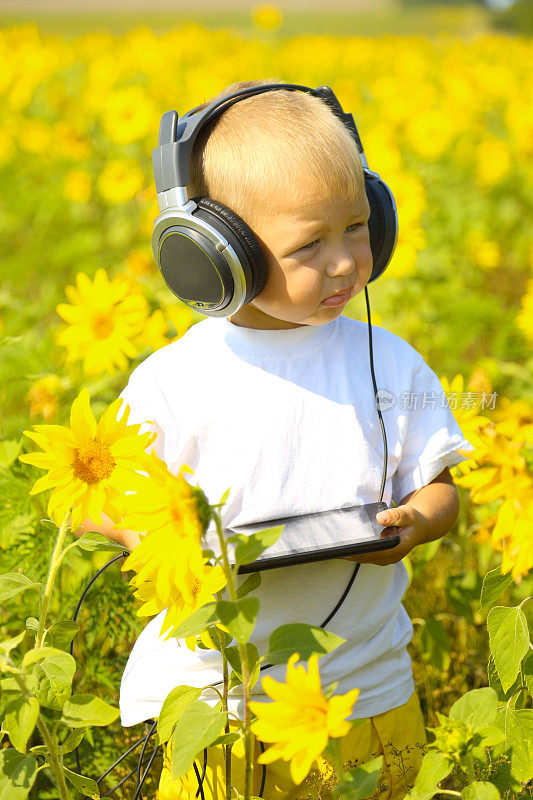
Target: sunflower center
93,462
102,327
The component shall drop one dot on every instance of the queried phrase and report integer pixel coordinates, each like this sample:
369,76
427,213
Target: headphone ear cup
383,223
243,239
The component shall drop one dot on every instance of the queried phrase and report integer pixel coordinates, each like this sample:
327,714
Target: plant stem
54,564
469,758
335,747
227,747
49,740
54,758
248,737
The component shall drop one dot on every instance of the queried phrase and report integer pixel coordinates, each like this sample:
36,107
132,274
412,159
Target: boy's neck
249,317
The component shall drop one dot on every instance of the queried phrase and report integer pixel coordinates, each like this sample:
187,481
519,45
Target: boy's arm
423,515
128,539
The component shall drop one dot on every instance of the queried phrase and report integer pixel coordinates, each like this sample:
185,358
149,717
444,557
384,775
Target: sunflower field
448,123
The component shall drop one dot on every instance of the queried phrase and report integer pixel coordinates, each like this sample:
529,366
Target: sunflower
43,397
512,532
90,465
468,418
171,570
104,319
301,719
202,580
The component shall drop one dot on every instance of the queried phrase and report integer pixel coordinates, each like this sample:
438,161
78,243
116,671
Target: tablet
316,536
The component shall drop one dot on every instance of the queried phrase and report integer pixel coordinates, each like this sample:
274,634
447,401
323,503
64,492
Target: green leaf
435,642
17,774
82,710
359,783
424,553
477,708
234,681
300,638
55,674
199,621
509,641
61,634
234,659
197,728
434,768
527,671
480,790
174,705
253,581
33,656
21,716
495,682
249,548
240,617
487,737
224,497
9,686
494,584
463,592
9,644
84,785
13,583
9,450
32,625
93,540
517,725
72,740
226,738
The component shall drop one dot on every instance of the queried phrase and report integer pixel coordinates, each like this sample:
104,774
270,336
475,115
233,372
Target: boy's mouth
338,299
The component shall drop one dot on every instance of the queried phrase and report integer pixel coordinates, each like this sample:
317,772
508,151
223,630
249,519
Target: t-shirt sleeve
147,408
433,439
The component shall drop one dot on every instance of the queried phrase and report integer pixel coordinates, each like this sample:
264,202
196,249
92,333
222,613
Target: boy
276,402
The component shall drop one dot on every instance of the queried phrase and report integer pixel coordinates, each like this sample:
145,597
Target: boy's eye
310,245
355,226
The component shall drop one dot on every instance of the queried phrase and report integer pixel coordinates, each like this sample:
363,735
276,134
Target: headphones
208,256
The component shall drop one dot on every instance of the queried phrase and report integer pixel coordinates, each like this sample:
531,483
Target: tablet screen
310,537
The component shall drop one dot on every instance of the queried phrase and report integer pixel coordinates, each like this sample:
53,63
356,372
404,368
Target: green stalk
469,758
54,565
55,766
335,749
50,742
227,747
248,737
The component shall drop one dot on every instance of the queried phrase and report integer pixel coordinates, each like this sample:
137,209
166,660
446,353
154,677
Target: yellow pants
399,735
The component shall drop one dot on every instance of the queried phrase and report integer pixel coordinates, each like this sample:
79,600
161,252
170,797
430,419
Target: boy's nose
342,262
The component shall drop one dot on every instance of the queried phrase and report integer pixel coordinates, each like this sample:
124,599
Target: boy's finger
393,516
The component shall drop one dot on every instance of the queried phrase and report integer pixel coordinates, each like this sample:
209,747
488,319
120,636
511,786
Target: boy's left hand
412,527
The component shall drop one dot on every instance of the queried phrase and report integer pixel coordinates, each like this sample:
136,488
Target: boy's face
315,247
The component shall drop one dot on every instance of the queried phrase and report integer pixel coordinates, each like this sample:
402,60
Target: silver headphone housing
176,208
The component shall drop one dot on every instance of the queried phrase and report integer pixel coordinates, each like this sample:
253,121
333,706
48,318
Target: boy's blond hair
251,155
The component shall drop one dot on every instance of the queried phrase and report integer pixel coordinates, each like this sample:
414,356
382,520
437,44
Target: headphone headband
172,157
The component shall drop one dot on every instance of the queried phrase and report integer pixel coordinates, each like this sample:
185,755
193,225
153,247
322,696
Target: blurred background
344,17
443,98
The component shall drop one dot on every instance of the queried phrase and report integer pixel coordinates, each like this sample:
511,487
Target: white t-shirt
287,420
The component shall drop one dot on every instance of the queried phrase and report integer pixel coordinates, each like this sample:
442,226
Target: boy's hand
423,515
413,530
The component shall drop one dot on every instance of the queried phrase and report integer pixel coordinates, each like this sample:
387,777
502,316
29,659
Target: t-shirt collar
287,341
